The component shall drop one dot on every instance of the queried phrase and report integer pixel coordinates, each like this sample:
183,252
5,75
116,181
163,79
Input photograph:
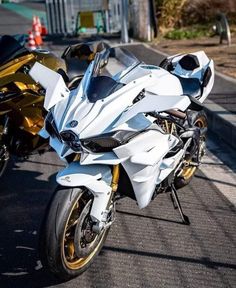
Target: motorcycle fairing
155,103
112,107
104,110
62,149
202,66
53,82
11,67
163,78
96,178
145,159
168,165
111,114
108,158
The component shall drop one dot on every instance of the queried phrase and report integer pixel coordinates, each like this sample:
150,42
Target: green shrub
189,32
170,12
179,13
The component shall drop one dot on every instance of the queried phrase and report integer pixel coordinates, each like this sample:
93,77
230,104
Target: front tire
68,245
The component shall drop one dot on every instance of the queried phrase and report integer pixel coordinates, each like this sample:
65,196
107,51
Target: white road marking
24,247
219,173
14,273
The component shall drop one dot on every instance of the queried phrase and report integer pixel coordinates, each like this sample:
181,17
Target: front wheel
68,244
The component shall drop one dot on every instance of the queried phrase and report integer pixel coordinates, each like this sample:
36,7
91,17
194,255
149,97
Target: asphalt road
145,248
11,23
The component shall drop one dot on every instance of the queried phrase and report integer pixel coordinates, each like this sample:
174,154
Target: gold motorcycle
21,99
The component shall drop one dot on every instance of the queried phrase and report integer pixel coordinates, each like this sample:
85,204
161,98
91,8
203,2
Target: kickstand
176,203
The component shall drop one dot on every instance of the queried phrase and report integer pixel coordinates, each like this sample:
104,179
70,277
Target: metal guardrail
62,14
61,17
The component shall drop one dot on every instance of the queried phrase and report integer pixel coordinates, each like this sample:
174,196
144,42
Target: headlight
100,144
71,139
69,136
106,142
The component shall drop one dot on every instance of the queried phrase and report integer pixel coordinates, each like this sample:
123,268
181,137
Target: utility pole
124,21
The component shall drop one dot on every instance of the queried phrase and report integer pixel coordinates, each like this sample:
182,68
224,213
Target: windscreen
109,67
10,48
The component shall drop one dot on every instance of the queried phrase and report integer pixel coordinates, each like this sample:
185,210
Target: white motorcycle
128,129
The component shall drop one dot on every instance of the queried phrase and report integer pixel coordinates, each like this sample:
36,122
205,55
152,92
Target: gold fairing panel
50,60
11,71
12,66
25,109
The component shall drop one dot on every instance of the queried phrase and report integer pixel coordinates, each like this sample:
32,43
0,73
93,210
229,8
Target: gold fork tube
115,177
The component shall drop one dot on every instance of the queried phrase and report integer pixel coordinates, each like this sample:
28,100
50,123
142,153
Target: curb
221,122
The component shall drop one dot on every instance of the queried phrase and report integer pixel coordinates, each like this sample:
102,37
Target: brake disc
85,239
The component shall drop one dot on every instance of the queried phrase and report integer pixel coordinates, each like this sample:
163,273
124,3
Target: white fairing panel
198,73
110,108
53,82
62,149
162,80
144,155
104,111
108,158
107,111
155,103
97,178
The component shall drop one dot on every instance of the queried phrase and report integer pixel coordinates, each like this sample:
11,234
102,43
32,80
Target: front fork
108,214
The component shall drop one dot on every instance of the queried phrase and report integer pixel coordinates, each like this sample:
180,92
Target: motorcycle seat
191,86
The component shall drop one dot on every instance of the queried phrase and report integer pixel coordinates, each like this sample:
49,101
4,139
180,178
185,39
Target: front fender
76,174
96,178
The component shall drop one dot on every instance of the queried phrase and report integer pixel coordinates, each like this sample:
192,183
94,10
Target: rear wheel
68,243
198,119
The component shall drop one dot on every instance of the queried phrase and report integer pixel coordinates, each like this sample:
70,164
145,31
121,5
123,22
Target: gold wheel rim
75,263
188,171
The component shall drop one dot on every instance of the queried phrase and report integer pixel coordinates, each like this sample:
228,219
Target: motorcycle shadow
24,195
